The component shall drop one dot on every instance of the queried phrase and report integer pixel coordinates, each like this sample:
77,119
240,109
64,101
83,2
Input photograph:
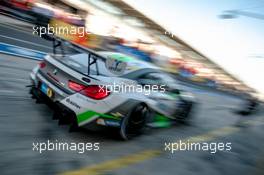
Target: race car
109,89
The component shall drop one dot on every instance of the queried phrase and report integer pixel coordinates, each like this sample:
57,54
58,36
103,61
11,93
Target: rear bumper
37,79
63,112
60,111
68,116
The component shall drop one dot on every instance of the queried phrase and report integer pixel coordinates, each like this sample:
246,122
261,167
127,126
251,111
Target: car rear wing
60,43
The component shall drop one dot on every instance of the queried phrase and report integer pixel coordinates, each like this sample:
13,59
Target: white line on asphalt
22,49
6,91
14,79
11,20
14,54
20,29
28,42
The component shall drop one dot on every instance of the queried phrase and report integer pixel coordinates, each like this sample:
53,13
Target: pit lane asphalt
17,33
24,122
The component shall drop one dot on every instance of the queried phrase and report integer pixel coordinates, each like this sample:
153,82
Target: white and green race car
109,89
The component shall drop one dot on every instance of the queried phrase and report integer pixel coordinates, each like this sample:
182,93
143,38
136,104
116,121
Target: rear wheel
134,124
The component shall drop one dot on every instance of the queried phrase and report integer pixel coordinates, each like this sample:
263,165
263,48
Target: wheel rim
136,121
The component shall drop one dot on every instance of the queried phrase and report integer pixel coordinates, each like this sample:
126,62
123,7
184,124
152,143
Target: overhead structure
188,52
137,19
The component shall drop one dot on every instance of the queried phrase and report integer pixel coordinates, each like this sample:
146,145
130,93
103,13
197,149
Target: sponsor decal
81,97
112,123
55,71
49,93
117,114
73,103
100,121
46,90
91,115
115,66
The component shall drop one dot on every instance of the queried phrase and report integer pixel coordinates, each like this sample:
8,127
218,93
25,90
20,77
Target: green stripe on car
161,121
90,114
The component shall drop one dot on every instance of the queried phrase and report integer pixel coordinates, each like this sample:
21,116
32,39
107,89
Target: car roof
133,64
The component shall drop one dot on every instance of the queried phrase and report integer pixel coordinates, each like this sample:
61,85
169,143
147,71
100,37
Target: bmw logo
55,71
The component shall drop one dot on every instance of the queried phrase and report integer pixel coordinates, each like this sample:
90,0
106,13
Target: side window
149,76
161,79
149,79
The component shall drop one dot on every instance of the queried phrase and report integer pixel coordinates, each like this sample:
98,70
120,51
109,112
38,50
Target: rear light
75,86
93,91
42,64
29,3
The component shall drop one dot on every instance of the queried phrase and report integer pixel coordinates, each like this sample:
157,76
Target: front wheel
134,124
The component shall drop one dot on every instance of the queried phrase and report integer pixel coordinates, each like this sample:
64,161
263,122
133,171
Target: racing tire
135,122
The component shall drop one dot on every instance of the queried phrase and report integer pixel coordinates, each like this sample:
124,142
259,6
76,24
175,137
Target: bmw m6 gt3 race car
109,89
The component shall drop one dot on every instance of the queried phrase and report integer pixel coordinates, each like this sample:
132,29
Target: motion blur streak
117,163
149,154
222,135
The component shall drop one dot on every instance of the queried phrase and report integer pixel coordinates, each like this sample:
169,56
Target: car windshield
78,62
